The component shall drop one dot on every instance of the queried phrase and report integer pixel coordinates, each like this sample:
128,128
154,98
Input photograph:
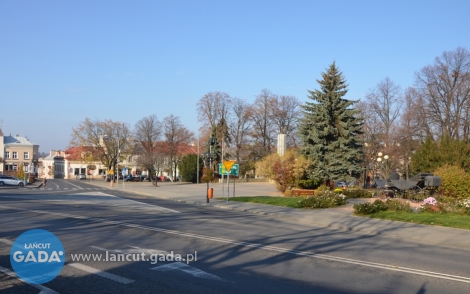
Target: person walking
44,182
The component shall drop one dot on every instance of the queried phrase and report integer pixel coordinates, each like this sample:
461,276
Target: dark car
139,178
128,178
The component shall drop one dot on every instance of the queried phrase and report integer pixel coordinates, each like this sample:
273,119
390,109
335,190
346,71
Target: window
15,155
26,155
7,154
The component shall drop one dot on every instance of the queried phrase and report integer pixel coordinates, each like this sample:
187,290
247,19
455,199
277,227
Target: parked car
12,181
139,178
341,184
81,177
128,178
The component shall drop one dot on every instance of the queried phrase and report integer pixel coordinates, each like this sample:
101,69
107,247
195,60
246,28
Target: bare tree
445,88
175,135
412,129
284,113
211,108
147,132
263,129
109,140
239,126
372,132
385,102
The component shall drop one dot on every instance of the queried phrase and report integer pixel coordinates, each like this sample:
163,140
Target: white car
81,177
8,180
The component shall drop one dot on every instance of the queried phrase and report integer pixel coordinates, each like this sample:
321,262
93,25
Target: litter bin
210,193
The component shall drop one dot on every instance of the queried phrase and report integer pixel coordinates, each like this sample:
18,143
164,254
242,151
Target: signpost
233,171
229,168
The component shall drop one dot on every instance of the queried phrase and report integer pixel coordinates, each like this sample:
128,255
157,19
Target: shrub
454,181
286,171
283,174
309,184
324,199
464,206
188,167
359,193
369,208
397,205
323,188
338,191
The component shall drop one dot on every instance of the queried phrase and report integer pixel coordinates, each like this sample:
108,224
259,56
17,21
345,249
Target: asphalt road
236,251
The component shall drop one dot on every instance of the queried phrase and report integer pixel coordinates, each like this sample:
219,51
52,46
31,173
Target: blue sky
63,61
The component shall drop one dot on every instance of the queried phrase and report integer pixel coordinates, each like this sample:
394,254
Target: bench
302,192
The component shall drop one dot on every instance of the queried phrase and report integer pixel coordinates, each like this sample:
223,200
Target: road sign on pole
233,170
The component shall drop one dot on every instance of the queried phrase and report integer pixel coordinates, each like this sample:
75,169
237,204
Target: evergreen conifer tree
330,130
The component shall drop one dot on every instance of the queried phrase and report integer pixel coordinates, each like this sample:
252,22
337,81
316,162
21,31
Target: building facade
18,151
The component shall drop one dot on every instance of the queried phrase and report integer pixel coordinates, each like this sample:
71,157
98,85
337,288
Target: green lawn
427,218
278,201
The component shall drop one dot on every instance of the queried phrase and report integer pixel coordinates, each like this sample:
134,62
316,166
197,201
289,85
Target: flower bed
324,199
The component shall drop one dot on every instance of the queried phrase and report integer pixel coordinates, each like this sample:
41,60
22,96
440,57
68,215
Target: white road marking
187,269
133,250
260,246
70,183
101,273
43,289
95,194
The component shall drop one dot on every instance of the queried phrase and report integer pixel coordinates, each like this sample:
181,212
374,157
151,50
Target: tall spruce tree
330,130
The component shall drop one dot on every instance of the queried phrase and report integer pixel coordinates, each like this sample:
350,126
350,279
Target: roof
76,153
17,140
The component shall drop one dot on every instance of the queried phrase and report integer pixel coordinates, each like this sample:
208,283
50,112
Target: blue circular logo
37,256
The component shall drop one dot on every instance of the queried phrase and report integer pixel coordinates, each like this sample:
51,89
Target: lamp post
364,153
117,164
197,164
380,160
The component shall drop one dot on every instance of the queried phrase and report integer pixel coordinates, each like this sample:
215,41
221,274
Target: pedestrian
367,184
44,182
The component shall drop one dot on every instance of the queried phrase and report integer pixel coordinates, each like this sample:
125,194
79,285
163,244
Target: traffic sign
233,171
228,164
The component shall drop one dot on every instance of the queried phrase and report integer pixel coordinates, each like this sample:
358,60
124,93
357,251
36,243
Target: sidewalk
339,218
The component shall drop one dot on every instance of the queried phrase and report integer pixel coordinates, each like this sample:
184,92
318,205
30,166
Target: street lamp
197,164
380,160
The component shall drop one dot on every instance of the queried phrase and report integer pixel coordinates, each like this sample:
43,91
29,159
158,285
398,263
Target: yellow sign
228,164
